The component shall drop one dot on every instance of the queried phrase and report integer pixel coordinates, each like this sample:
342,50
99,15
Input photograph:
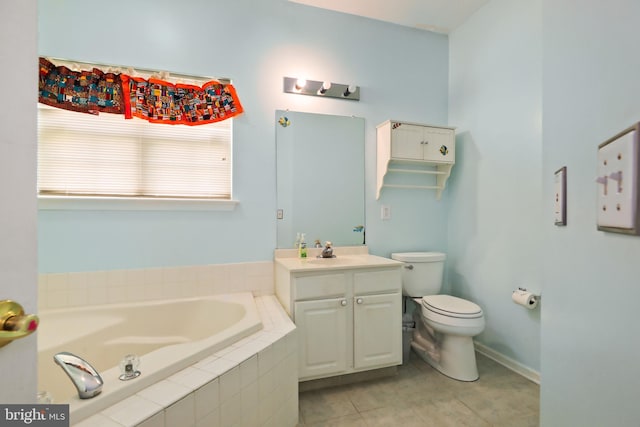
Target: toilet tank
422,273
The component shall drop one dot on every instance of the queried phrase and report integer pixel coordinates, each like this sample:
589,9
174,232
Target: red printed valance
155,100
162,102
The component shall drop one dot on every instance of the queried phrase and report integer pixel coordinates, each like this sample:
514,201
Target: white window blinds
106,155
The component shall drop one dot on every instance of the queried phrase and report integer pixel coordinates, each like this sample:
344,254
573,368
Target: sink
341,262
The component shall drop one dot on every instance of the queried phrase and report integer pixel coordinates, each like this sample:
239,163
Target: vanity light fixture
325,89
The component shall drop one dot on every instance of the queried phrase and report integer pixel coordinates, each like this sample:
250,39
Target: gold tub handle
14,323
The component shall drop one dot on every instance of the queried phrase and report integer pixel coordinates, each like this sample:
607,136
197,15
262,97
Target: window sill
132,204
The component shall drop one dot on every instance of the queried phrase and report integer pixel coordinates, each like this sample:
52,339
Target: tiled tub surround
253,382
60,290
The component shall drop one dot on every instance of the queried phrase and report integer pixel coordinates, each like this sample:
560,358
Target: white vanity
348,310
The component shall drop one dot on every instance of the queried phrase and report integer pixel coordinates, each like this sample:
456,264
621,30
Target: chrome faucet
327,251
86,379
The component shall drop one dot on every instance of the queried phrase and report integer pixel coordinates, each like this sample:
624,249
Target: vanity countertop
341,262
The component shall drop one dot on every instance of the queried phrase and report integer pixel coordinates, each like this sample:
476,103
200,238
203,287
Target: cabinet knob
359,301
343,303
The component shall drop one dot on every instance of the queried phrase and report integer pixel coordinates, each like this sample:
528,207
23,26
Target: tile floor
421,396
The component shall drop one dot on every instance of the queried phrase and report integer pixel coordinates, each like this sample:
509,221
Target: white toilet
445,325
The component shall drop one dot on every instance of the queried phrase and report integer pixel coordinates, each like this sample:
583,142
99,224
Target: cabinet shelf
415,171
417,187
414,149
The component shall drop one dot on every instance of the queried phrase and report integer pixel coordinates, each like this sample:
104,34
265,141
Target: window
107,156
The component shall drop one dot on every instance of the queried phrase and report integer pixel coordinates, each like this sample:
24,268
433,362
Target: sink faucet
327,251
84,377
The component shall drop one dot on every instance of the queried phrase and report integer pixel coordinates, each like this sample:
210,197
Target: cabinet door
439,145
377,331
407,141
324,328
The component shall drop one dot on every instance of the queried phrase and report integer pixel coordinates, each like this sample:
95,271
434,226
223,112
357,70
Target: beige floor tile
524,421
448,413
372,395
504,402
354,420
421,396
392,416
320,405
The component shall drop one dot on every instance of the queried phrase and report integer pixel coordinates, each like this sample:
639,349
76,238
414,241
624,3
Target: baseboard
508,362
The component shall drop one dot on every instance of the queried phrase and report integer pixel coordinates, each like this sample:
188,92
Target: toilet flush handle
408,266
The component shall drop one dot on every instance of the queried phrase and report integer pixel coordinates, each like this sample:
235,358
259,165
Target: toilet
445,325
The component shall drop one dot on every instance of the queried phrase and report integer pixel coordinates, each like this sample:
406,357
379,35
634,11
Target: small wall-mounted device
618,203
560,196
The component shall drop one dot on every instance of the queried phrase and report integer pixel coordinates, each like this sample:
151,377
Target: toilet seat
450,306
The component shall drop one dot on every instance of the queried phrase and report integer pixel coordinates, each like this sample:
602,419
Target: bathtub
168,336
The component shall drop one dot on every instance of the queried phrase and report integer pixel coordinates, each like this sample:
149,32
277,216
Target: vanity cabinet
410,148
348,320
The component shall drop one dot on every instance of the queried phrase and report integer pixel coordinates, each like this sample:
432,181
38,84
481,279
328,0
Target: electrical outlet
617,198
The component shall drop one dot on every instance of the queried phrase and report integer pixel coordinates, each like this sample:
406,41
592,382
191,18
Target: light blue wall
590,346
495,215
575,65
402,72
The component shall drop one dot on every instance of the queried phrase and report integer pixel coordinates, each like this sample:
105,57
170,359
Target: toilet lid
451,306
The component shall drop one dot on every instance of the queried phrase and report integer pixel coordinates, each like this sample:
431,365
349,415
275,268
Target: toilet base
457,357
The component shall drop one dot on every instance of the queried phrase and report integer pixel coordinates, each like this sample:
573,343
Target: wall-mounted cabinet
414,149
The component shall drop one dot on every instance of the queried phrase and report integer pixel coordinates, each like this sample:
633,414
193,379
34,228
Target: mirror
320,178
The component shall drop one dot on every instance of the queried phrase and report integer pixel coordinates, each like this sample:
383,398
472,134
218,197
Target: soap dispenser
302,250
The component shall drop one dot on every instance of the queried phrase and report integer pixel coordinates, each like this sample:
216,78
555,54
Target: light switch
617,183
385,212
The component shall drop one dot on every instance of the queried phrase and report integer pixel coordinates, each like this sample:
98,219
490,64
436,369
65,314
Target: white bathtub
168,336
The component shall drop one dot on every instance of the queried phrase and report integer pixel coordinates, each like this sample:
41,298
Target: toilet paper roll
525,299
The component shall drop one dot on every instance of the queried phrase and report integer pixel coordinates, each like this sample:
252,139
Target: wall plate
560,196
385,212
617,190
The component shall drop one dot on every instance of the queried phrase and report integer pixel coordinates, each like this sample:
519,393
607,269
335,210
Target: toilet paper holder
525,298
